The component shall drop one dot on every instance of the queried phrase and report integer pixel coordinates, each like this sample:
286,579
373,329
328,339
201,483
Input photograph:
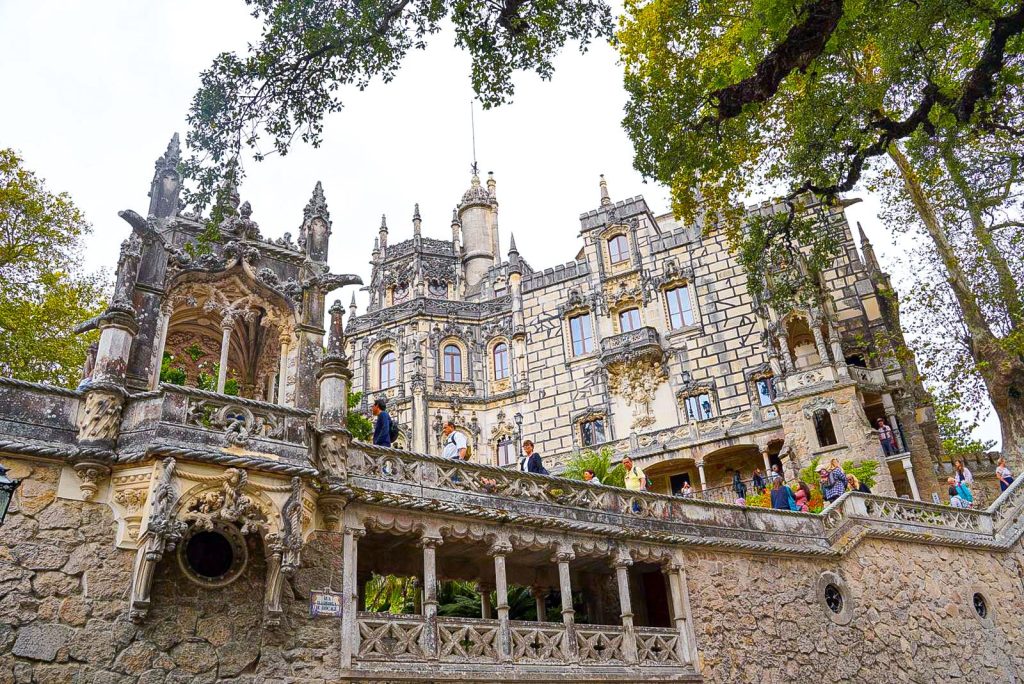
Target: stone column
838,358
703,478
226,324
282,372
678,611
563,557
99,415
162,327
499,551
419,417
889,406
538,598
430,545
622,562
819,341
908,466
349,595
787,360
485,601
767,462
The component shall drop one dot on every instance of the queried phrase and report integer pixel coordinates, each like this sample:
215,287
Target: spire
352,309
605,199
382,232
491,184
171,156
869,252
514,264
166,184
317,205
383,223
416,220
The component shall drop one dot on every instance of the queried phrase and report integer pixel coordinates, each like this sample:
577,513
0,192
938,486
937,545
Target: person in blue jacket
382,425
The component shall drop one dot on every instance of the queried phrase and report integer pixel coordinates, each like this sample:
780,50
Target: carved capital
90,475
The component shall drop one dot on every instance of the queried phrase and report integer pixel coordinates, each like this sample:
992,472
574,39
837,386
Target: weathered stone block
41,642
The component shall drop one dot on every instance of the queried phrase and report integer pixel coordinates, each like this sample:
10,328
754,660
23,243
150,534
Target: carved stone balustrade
868,378
803,380
639,343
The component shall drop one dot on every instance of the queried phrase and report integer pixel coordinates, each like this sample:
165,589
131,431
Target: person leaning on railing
1004,475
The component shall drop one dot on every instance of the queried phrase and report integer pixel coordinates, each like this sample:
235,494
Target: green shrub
598,461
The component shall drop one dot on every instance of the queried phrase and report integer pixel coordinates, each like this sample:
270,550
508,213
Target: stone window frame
570,350
375,356
827,404
464,370
695,391
625,306
691,292
844,616
492,367
590,417
990,613
394,293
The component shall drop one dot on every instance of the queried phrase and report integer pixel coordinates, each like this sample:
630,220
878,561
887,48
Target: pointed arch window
618,249
452,363
388,370
501,367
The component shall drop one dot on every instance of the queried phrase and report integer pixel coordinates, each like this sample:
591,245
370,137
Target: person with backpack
455,444
832,481
782,497
385,432
636,479
738,486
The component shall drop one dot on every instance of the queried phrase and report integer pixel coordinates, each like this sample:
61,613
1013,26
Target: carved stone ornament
637,380
818,403
162,534
127,273
90,475
228,504
100,416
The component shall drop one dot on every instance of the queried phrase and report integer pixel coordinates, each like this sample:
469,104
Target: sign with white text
325,602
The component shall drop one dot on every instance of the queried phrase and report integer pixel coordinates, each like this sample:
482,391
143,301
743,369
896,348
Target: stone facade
648,343
164,532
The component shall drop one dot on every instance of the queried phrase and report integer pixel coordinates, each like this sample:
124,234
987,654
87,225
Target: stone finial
352,309
417,222
384,222
171,157
512,244
455,218
605,199
317,205
166,184
491,184
515,265
869,252
336,339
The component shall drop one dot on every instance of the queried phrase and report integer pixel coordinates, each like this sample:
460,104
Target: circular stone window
834,596
981,608
213,558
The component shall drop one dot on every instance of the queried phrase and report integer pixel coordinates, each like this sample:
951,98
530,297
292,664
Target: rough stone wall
63,587
760,619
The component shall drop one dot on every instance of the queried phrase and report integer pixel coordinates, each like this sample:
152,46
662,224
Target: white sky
94,90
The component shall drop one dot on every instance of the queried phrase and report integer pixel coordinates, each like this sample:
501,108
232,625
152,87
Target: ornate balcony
631,345
870,378
807,378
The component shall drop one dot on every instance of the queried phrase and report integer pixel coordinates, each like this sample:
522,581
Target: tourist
686,491
382,424
776,473
962,490
886,437
802,496
782,497
534,464
962,474
738,486
1004,475
856,485
454,443
636,479
757,481
590,477
955,500
832,481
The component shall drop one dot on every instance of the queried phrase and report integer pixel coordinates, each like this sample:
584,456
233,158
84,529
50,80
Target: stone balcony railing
798,381
427,482
868,377
639,342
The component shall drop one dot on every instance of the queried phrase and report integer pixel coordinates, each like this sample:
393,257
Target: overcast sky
94,90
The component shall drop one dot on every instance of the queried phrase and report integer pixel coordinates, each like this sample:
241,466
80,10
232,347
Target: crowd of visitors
832,480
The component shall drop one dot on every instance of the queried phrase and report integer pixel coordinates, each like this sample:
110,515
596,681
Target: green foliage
207,379
600,462
955,432
358,424
44,294
866,471
390,594
194,351
310,50
174,375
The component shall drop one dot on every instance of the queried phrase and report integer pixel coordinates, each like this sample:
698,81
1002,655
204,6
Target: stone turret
163,191
478,216
316,225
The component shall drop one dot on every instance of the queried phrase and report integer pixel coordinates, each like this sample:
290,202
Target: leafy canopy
44,294
312,51
727,96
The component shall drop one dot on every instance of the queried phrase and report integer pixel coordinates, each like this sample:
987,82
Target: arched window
506,451
823,428
501,370
388,370
629,320
438,288
618,249
401,291
452,363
